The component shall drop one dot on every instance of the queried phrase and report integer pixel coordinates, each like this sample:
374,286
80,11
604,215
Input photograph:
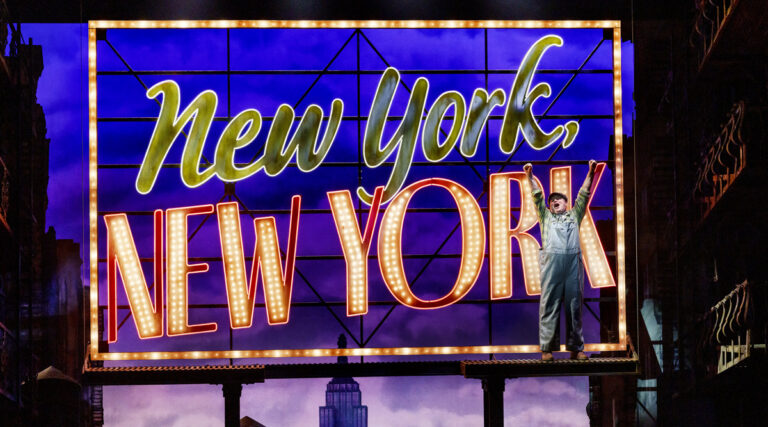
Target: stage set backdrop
258,187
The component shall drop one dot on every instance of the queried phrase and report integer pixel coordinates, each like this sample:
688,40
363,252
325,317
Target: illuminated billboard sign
256,187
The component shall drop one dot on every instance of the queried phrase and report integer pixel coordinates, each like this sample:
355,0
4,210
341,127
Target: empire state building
342,400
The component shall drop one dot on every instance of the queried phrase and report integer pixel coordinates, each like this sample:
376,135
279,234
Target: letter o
390,245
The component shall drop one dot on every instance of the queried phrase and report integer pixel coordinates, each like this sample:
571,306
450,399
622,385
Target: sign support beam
493,401
232,392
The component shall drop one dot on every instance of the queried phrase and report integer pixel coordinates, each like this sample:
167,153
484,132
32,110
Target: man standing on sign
562,271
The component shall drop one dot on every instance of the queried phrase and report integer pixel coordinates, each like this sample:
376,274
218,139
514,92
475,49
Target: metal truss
477,166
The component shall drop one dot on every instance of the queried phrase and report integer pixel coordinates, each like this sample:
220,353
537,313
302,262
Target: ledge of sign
156,375
247,374
557,367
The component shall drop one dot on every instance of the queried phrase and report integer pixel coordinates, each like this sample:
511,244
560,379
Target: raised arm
536,193
580,205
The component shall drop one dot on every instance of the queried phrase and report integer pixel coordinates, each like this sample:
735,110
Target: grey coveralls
562,271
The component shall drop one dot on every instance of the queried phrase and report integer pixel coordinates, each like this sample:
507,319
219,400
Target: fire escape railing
711,15
5,194
732,330
721,162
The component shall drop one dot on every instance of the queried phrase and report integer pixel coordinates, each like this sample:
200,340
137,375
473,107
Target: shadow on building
41,293
701,91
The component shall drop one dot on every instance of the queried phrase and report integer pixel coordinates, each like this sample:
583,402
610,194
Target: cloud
65,195
64,76
163,405
547,401
536,387
418,402
547,415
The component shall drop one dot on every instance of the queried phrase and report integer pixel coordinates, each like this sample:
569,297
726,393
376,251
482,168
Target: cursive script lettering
242,130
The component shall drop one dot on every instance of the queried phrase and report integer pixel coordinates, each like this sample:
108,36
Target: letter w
266,257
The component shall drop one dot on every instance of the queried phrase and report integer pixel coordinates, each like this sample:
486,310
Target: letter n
122,255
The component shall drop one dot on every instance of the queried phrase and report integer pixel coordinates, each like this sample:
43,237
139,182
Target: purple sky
430,401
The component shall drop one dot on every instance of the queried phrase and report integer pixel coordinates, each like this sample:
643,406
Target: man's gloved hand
592,167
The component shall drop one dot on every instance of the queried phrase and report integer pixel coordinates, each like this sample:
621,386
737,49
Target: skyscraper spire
342,343
343,399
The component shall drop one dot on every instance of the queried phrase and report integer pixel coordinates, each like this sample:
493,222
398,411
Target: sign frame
95,26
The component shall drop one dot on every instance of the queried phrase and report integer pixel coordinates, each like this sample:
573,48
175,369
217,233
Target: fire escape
711,280
701,121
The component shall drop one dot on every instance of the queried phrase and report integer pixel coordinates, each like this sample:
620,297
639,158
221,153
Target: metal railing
722,161
729,330
710,17
5,193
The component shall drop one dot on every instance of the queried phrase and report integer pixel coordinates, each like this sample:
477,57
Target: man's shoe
546,356
578,355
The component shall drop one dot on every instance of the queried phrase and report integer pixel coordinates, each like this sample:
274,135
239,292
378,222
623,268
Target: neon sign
166,311
244,128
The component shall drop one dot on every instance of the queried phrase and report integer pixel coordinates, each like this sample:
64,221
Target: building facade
343,400
41,293
701,126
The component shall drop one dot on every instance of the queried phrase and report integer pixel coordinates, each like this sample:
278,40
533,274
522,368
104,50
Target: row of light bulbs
335,352
93,162
595,261
142,24
390,245
356,247
278,297
92,192
122,251
501,247
472,236
233,256
619,183
179,269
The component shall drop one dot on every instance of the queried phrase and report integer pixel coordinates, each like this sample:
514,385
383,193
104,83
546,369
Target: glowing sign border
93,26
